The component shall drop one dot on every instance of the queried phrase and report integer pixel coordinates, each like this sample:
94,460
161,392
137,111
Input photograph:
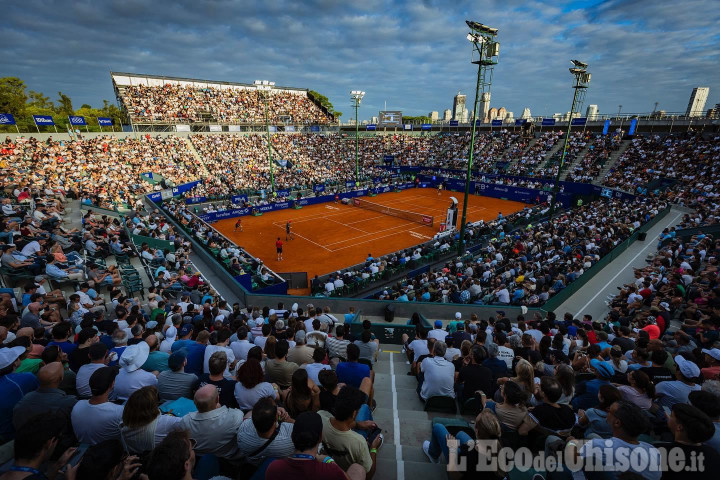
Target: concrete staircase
569,166
614,157
203,167
517,158
401,416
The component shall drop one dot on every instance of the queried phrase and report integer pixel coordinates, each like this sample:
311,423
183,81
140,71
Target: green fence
156,178
388,333
554,302
687,233
155,243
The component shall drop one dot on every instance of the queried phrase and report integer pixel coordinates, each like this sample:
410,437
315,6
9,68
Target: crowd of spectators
187,104
530,160
588,167
531,264
101,170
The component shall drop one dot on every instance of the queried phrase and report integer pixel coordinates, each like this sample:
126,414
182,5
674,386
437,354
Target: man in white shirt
98,353
330,285
97,420
132,377
338,281
504,353
242,345
223,340
35,247
438,374
438,333
313,369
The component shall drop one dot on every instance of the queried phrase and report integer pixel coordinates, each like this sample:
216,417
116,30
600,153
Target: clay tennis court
330,236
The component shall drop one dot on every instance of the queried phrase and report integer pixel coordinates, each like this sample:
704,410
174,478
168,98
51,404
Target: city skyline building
696,105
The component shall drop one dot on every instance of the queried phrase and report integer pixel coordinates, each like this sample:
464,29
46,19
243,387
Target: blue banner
454,123
283,193
272,128
7,119
520,121
370,127
606,127
314,128
496,123
349,183
388,158
377,180
105,121
176,191
478,123
548,122
579,121
77,120
426,126
633,126
407,126
318,188
194,200
43,120
239,198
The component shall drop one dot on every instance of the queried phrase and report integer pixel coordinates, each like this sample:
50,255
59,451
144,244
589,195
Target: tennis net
394,212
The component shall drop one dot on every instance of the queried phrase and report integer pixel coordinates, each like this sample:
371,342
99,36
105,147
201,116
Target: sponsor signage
215,128
496,123
606,127
7,119
579,121
426,126
520,122
407,126
633,126
318,188
454,123
370,127
548,122
314,128
43,120
105,121
77,120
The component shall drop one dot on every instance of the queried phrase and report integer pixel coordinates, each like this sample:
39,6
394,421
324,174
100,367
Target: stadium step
569,168
612,161
197,156
517,158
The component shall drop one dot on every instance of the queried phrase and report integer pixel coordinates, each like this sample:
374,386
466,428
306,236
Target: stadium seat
441,404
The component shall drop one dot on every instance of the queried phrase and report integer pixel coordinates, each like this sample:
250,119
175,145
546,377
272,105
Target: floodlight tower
264,88
485,51
356,97
582,82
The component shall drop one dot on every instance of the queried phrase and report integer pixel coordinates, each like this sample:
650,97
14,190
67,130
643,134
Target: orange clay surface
330,236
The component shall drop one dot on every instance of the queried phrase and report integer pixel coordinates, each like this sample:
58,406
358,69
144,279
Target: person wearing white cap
132,377
670,392
13,387
170,337
712,359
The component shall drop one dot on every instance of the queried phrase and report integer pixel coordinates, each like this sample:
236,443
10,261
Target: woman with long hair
565,374
269,349
640,390
143,425
303,395
251,385
618,360
512,411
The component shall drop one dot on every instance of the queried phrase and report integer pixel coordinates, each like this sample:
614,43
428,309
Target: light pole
264,87
582,80
485,51
356,97
619,110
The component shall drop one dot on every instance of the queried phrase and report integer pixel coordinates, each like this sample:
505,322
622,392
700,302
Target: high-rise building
374,120
526,113
696,105
591,112
459,108
509,115
502,113
434,116
714,113
493,113
447,115
484,106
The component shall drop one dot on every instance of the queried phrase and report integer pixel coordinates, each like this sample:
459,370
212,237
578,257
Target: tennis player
238,225
279,248
288,231
439,187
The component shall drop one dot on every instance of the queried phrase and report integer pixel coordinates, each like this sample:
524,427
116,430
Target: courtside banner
318,188
176,191
239,198
7,119
105,121
77,120
548,122
496,123
43,120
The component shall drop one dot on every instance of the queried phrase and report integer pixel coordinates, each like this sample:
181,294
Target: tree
64,104
12,96
325,102
85,105
37,99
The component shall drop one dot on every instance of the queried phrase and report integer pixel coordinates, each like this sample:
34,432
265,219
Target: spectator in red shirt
279,247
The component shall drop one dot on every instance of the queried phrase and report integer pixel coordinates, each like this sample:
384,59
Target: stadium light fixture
264,87
356,97
485,55
582,82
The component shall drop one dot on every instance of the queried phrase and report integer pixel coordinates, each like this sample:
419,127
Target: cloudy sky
411,54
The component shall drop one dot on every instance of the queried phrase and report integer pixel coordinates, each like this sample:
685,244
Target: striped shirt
337,347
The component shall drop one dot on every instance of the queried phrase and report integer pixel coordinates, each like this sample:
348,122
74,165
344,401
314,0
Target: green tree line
325,102
22,103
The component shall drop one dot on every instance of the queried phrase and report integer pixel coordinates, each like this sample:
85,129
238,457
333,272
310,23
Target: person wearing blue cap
438,333
586,392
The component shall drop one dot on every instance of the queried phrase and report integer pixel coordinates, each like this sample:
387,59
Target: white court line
396,424
305,238
347,225
650,244
404,225
372,240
